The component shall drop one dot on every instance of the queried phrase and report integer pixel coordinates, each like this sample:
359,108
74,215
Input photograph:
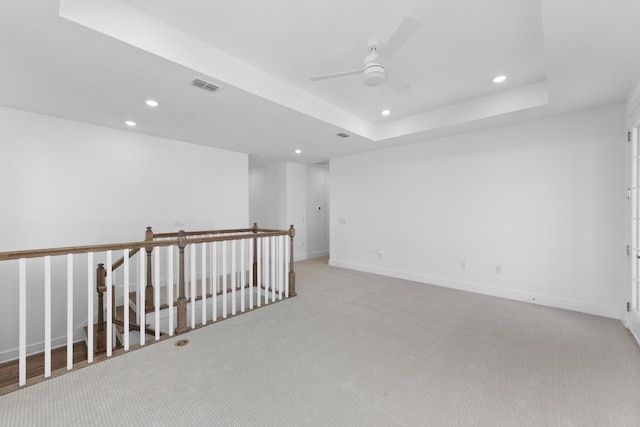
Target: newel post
148,291
182,301
101,336
255,230
292,273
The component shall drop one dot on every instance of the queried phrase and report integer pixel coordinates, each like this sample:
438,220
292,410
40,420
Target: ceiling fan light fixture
374,74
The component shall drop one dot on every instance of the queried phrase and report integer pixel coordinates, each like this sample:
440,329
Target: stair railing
260,263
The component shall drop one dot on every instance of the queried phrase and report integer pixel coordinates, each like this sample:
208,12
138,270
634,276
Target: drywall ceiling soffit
587,55
449,61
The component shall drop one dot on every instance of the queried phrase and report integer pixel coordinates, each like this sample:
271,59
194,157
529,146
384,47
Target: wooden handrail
37,253
205,232
119,262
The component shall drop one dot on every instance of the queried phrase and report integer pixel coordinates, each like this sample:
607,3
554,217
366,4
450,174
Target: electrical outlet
463,265
379,253
498,269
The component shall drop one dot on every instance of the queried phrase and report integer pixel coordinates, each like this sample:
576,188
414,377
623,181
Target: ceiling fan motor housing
373,73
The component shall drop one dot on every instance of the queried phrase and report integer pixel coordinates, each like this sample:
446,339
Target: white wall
268,196
317,211
296,209
67,183
290,193
544,200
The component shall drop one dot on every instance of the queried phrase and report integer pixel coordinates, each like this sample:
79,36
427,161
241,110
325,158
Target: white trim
633,324
546,300
309,255
39,347
631,319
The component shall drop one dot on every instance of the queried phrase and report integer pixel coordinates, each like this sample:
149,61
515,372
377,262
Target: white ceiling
98,61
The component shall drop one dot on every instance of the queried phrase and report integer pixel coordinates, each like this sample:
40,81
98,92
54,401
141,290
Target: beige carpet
356,349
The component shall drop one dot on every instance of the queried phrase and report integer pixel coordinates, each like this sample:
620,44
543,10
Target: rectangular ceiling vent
205,85
323,164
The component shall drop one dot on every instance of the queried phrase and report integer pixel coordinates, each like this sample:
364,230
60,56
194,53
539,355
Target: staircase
212,274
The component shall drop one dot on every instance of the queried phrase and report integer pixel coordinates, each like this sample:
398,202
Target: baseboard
633,324
310,255
534,298
38,347
633,333
14,353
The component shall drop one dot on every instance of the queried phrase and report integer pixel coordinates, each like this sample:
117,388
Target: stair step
95,337
133,297
134,336
119,314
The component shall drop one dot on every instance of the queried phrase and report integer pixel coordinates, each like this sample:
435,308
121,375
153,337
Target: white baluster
47,316
156,291
69,311
22,321
274,271
276,268
281,262
243,275
214,280
170,283
286,267
193,291
250,274
203,283
233,277
142,261
125,255
140,315
108,282
259,273
224,279
266,277
90,293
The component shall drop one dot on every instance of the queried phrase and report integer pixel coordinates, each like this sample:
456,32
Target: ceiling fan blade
395,82
401,35
335,75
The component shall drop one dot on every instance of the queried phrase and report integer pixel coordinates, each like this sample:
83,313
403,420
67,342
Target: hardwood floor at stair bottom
9,371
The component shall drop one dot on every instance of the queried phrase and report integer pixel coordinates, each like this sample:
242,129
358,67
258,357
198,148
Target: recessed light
130,123
499,79
151,103
298,151
385,112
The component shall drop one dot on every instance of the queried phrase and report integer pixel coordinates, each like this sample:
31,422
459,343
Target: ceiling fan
374,72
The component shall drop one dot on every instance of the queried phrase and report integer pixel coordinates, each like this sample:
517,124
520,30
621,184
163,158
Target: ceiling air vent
205,85
343,135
